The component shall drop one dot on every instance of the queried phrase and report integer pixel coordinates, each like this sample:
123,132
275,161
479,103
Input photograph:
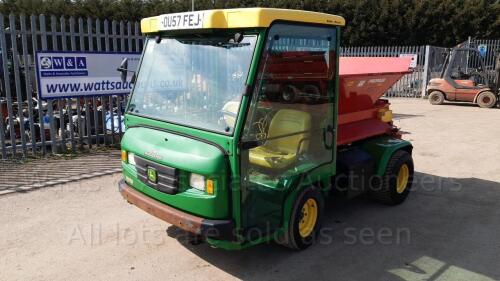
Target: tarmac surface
447,230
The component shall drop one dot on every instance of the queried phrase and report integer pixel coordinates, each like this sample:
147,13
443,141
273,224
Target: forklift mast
446,54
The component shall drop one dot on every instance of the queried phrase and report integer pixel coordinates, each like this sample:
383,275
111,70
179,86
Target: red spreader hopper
363,80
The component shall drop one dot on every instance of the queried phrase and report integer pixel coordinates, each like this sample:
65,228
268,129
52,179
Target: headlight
124,156
131,158
197,181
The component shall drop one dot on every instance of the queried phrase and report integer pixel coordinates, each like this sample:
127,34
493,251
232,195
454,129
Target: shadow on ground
448,229
465,104
400,116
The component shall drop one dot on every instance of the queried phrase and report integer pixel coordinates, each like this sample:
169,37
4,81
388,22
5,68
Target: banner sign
81,74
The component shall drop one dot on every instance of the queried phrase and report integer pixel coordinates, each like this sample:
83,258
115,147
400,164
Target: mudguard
382,149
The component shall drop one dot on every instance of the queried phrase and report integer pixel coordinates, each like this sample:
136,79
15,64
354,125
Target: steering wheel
475,73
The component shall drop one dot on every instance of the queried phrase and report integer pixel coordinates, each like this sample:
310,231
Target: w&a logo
63,63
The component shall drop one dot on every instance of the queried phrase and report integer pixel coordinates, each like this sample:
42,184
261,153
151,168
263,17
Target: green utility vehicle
239,125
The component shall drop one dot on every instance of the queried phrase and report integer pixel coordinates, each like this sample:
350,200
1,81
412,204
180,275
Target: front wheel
487,99
397,180
436,98
305,220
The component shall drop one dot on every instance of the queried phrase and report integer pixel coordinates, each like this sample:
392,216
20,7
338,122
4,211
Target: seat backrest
230,110
286,122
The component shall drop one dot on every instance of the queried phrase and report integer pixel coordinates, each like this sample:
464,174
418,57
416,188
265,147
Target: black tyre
487,99
288,94
305,220
396,183
436,98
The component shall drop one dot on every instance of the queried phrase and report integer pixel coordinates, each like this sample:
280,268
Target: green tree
369,22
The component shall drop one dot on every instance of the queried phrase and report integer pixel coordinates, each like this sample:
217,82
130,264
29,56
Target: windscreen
197,82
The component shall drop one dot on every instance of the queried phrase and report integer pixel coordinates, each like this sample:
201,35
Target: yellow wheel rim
309,215
403,176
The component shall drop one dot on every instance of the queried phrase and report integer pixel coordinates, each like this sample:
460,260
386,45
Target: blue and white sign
483,49
79,74
414,59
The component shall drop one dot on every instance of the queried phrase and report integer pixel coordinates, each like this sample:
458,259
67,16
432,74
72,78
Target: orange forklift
465,79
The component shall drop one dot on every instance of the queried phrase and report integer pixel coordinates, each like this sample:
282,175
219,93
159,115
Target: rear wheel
436,97
305,220
397,180
288,94
487,99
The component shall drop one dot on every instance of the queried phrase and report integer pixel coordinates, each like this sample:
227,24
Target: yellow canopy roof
234,18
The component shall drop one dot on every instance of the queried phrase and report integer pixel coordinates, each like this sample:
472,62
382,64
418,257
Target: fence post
50,103
34,43
27,82
17,82
425,76
7,86
2,127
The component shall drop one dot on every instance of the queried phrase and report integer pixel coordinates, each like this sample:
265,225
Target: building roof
234,18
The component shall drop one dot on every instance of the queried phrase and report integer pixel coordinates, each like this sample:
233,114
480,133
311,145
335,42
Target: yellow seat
229,111
288,137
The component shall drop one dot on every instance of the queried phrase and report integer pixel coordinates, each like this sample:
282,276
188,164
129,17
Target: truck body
464,78
242,121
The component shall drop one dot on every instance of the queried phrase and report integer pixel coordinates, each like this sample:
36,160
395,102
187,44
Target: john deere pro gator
242,121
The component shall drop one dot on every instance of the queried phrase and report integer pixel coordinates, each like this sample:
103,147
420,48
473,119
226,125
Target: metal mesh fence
33,127
29,126
492,51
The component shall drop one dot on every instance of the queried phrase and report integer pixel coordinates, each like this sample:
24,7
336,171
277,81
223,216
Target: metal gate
31,127
489,59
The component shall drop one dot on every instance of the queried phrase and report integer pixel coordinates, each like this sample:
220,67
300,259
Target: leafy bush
369,22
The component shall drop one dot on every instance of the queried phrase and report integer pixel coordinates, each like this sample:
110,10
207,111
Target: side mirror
238,37
123,69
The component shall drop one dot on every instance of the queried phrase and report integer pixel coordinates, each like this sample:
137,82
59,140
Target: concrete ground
447,230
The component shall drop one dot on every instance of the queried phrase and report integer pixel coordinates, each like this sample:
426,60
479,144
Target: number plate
192,20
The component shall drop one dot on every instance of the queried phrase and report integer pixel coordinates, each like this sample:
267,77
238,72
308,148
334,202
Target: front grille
167,177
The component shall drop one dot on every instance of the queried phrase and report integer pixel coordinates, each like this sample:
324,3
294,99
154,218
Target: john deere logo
152,176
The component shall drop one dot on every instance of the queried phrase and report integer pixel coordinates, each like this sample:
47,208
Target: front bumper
214,229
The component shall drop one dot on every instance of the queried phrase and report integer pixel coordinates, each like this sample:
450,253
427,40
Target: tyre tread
383,193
